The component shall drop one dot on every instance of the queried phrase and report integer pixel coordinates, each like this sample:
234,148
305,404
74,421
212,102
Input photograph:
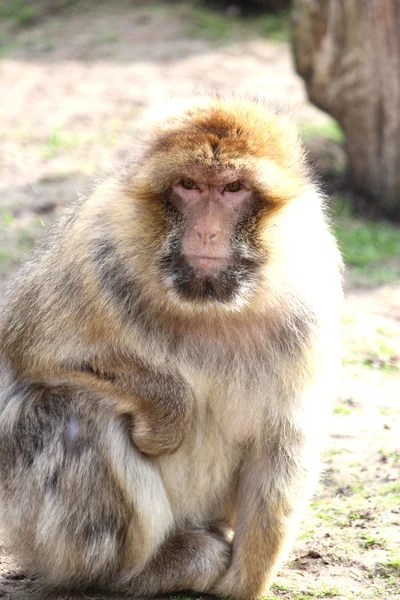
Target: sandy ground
71,89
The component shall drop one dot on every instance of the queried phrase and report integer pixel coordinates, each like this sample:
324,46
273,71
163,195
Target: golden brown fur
225,402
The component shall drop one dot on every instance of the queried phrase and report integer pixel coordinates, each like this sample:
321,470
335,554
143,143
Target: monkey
169,354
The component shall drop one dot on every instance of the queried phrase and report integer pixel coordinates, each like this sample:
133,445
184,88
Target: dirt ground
72,86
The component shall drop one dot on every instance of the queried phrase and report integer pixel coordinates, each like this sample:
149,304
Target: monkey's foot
193,560
238,586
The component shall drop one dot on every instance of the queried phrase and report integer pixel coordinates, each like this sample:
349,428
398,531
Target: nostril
205,236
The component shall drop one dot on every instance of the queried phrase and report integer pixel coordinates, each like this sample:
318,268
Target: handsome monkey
169,354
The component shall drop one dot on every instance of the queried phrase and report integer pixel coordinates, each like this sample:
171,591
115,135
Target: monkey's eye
235,186
188,184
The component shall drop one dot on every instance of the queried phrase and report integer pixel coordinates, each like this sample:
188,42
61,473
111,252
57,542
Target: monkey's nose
206,236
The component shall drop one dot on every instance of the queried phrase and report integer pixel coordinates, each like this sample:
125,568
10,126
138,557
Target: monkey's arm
272,489
59,351
157,405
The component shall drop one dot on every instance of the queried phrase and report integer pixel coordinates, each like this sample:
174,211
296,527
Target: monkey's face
211,254
219,170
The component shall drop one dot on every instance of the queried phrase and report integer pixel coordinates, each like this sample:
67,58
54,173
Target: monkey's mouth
207,278
208,263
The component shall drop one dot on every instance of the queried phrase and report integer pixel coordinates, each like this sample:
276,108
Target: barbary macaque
169,354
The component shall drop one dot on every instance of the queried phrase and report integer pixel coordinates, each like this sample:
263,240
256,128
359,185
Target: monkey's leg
79,502
84,507
273,488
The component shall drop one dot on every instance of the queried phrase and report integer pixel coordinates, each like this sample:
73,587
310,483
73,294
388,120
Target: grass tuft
20,12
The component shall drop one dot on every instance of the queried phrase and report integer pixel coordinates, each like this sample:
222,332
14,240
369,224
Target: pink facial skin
211,209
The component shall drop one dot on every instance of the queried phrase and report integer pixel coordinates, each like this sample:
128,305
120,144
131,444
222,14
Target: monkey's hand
162,410
156,434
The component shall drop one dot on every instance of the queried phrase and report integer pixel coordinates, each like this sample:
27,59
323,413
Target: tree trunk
348,52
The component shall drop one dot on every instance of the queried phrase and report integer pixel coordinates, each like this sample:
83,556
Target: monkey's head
216,172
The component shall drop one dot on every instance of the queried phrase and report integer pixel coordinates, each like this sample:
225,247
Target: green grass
344,408
390,569
273,26
203,20
20,12
322,589
393,564
369,541
381,355
215,25
371,249
330,130
329,453
211,24
59,141
388,411
391,489
363,242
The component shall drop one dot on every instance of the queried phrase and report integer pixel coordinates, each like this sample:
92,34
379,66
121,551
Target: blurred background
75,76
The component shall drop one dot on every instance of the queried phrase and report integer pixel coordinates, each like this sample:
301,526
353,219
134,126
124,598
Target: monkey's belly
200,478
